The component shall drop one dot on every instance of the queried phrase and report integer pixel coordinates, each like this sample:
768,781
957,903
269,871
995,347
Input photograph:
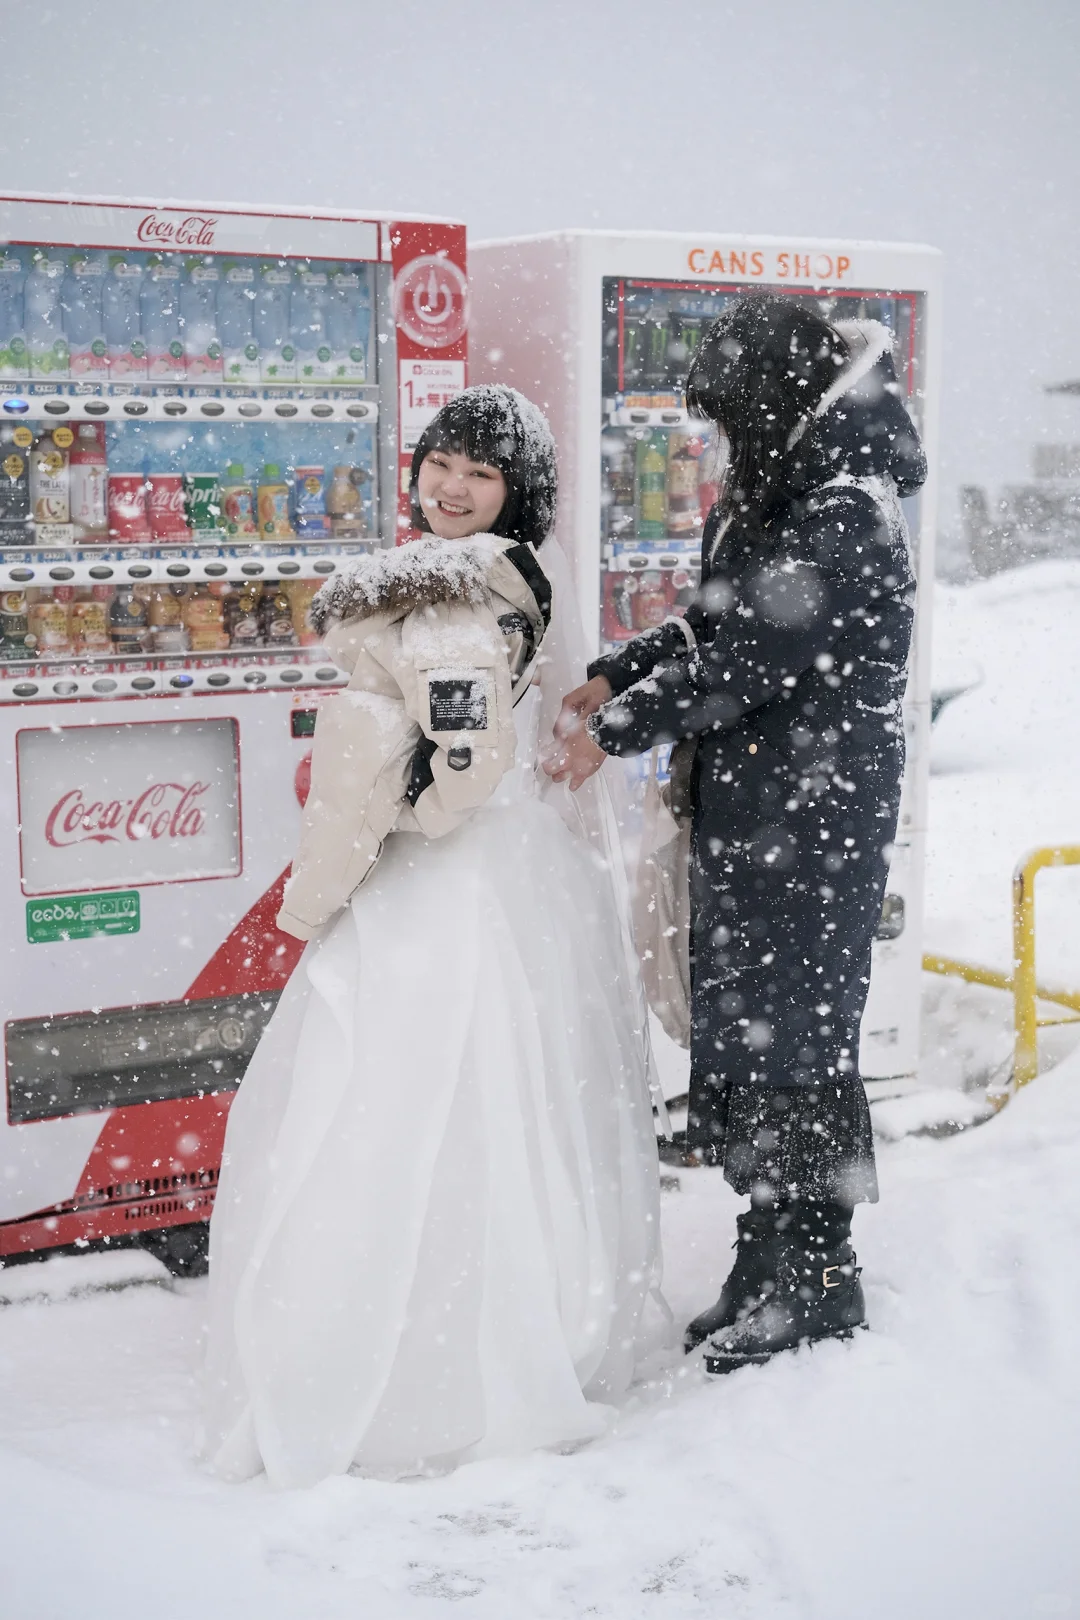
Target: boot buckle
832,1276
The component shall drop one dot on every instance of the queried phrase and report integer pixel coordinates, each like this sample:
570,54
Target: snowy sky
954,122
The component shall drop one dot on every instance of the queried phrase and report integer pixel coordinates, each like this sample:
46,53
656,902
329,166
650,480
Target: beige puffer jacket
436,636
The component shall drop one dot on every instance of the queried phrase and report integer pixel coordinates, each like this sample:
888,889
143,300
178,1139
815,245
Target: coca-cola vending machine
204,412
600,328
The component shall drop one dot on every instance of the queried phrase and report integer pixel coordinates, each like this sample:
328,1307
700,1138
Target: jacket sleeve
360,759
645,652
454,673
789,608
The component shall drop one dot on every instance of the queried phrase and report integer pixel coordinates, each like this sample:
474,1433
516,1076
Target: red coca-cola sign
167,512
187,230
164,810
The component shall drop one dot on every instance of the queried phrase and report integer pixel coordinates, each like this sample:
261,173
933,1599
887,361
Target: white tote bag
662,908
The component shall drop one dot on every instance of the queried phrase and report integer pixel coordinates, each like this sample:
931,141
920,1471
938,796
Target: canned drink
167,508
127,508
203,502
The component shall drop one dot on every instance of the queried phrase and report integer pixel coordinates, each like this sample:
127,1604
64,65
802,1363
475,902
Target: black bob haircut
501,428
762,368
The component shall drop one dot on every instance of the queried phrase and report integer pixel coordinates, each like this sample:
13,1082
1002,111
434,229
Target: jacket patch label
459,703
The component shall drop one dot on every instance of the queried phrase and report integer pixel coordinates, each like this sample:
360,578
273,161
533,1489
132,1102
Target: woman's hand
580,703
574,757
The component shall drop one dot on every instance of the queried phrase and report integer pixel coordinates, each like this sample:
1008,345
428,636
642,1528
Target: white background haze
953,122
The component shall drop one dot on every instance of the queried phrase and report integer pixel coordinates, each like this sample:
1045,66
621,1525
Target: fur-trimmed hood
418,574
861,427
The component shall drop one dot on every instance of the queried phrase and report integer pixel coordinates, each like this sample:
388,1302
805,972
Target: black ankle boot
752,1278
818,1294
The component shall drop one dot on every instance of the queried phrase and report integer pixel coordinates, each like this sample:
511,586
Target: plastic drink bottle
309,500
652,487
84,328
89,480
44,321
273,337
348,325
308,310
235,313
123,323
50,485
159,306
198,320
238,504
14,361
15,443
274,504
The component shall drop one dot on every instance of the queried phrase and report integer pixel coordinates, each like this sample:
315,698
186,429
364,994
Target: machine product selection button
218,678
326,674
358,410
21,574
16,406
249,407
324,566
65,688
178,570
105,684
214,570
135,407
181,680
61,573
285,409
322,410
57,407
143,683
101,571
24,689
291,675
175,407
96,407
252,568
255,677
288,568
212,407
139,571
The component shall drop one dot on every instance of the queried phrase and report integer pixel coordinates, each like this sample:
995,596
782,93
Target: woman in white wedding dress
437,1226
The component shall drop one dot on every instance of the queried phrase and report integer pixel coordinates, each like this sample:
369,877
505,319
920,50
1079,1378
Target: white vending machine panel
600,329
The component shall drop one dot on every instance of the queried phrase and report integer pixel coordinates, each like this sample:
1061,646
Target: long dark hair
503,429
760,371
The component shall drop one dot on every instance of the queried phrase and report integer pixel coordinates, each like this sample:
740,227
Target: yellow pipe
1025,988
974,973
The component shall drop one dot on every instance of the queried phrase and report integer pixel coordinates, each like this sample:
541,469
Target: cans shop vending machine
600,329
204,412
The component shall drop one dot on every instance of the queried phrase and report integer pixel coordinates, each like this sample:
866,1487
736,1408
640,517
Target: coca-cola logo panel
142,803
177,230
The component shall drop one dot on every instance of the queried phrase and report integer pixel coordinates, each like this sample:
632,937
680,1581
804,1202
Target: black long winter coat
793,698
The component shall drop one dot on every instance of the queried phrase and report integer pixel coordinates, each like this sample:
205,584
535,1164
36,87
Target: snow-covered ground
929,1469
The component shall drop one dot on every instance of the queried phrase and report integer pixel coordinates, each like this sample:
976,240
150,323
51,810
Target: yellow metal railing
1021,983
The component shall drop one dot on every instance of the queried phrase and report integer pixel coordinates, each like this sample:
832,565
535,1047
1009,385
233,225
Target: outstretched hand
573,756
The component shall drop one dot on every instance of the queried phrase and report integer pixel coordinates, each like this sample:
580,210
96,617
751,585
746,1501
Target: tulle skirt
437,1227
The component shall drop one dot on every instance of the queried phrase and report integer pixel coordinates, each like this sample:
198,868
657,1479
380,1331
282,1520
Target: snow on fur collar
421,573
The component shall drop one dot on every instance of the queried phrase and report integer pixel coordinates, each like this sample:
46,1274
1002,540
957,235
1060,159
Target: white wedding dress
437,1227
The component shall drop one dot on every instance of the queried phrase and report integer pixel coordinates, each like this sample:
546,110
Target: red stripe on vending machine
431,317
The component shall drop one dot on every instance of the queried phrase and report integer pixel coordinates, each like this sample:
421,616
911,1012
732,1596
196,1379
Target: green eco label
82,916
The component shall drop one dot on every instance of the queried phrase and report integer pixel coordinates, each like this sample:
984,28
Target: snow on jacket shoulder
435,635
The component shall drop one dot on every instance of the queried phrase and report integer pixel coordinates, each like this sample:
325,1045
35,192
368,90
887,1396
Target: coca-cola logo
431,301
192,230
163,810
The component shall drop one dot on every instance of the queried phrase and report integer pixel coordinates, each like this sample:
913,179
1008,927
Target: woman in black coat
783,689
